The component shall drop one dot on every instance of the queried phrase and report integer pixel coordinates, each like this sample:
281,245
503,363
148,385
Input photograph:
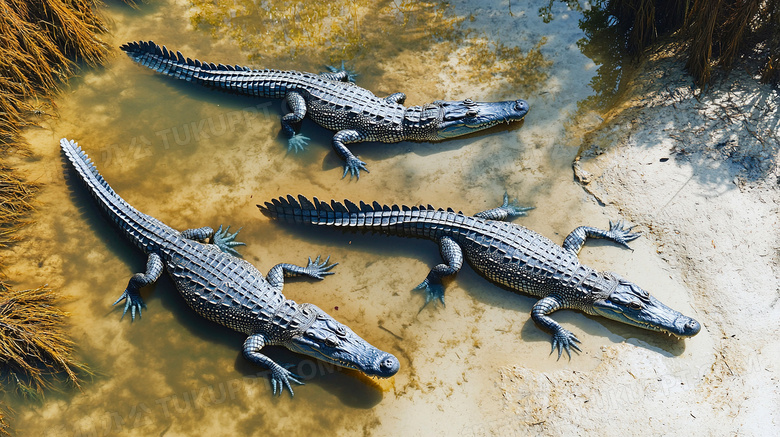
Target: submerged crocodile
230,291
508,254
335,103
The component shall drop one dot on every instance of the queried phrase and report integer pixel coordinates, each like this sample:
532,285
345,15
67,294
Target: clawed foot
564,340
297,143
353,167
351,75
133,302
621,235
225,241
513,208
317,269
280,379
433,291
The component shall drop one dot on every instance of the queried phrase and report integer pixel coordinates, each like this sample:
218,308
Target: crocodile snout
388,366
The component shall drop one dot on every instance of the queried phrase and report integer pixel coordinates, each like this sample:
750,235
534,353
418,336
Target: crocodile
230,291
335,103
508,254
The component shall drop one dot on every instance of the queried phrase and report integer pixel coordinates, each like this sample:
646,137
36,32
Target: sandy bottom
478,366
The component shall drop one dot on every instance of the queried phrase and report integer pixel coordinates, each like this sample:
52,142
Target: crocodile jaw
464,117
332,342
631,305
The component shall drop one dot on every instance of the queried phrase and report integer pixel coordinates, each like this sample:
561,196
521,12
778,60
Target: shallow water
193,157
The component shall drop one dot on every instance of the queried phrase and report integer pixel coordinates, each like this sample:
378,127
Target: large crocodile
335,103
230,291
508,254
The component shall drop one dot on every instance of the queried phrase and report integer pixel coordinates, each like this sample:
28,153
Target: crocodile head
632,305
332,342
467,116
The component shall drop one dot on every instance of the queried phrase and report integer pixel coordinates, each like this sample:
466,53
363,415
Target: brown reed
41,44
717,31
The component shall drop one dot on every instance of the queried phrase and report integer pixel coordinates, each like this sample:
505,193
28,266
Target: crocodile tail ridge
160,59
347,213
84,165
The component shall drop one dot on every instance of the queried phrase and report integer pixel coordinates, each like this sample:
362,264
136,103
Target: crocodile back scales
508,254
217,285
333,104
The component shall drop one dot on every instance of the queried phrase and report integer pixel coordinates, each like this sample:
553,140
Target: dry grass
718,31
41,43
16,196
33,344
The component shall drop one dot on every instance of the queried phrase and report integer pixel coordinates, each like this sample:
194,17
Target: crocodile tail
232,78
402,220
134,224
86,169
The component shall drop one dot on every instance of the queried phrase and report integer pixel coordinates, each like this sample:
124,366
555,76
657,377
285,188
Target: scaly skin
333,102
508,254
228,290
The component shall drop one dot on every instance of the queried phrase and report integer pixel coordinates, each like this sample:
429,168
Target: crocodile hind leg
297,104
342,74
563,339
315,269
507,211
280,375
452,255
399,98
222,239
352,165
617,233
131,295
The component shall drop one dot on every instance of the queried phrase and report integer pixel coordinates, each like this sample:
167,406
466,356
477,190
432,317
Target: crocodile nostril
389,365
521,105
692,327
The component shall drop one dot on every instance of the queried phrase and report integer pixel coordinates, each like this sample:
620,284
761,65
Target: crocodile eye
471,113
634,305
331,342
468,102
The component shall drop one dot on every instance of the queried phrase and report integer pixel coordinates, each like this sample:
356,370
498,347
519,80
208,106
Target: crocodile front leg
562,338
315,269
507,211
131,295
280,376
297,104
352,165
222,239
453,261
617,233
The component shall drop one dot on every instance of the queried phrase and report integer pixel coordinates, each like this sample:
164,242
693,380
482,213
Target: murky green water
193,157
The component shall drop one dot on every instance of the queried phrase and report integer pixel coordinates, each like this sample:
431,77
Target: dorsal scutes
338,206
305,203
294,203
351,207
